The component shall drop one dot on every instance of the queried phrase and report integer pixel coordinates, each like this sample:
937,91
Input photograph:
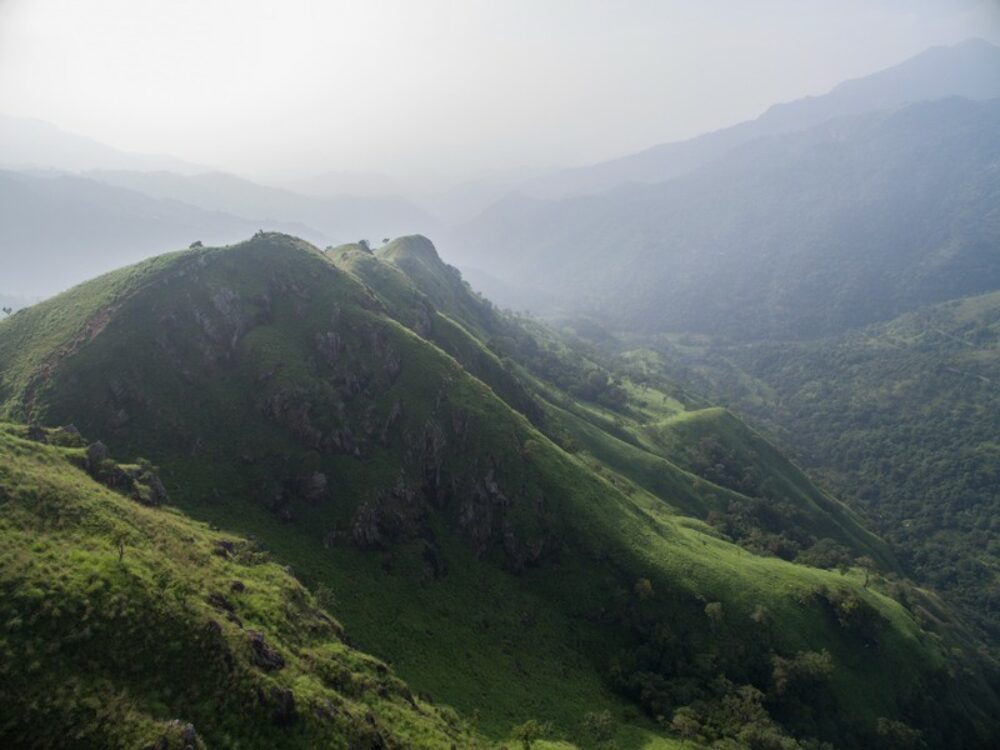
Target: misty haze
559,375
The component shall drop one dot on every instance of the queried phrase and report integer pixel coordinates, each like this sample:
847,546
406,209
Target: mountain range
899,206
968,69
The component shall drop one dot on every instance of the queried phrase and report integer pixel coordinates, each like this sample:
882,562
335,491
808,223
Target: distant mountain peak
27,143
413,246
969,69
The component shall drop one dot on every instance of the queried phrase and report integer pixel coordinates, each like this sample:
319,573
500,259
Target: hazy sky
410,86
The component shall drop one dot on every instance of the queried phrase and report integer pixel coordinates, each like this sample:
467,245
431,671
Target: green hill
128,625
518,535
797,235
536,374
900,418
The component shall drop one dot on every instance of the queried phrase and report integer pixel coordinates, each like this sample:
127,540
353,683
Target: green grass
898,418
107,609
507,604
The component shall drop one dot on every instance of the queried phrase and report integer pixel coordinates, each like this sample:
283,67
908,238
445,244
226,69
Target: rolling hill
522,536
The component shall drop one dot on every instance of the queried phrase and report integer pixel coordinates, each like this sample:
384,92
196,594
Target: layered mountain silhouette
803,234
521,535
970,69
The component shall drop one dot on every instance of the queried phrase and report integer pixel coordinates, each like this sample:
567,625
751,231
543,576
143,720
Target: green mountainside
797,235
129,625
545,547
534,373
901,418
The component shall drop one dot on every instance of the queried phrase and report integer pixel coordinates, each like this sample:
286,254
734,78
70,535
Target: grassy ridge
498,572
124,623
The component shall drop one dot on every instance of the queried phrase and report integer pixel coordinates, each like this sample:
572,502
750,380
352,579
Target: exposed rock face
424,323
329,346
140,482
224,548
292,411
434,564
524,553
262,655
392,366
477,514
342,441
97,453
481,506
433,455
365,529
313,487
394,515
395,413
226,321
188,735
218,601
157,494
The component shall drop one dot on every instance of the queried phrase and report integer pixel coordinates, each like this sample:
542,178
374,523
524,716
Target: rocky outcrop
292,411
342,441
224,548
365,527
330,346
224,322
313,487
392,516
262,655
434,487
423,325
154,492
138,481
97,454
394,415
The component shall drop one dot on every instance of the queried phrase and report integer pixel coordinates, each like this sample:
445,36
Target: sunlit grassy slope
511,550
124,623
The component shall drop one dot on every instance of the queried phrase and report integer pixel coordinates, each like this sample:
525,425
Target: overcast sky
415,86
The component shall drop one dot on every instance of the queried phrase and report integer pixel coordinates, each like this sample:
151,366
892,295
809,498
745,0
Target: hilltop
522,533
